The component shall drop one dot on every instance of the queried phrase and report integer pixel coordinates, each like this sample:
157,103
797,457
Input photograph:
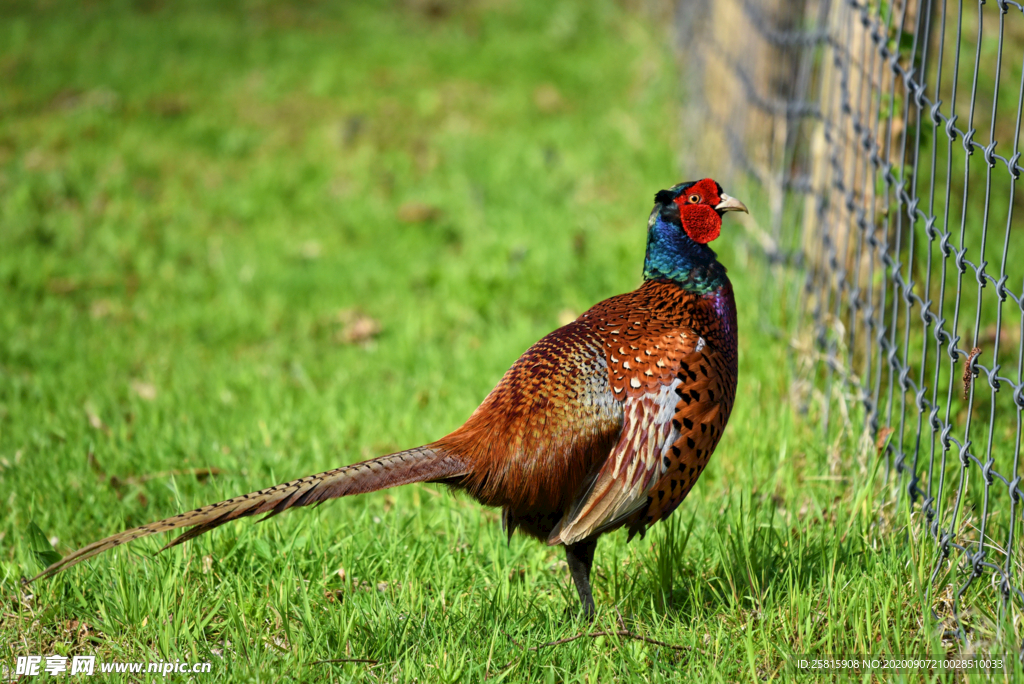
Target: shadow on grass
742,555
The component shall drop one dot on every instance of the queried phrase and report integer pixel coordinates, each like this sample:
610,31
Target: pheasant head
686,217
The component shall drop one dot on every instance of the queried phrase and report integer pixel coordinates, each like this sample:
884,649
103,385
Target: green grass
198,205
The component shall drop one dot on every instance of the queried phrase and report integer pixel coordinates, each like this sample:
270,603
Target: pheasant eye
694,199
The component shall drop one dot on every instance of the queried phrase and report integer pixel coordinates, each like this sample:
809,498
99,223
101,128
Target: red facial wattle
697,211
701,222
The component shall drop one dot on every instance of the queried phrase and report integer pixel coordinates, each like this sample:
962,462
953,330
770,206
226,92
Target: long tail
423,464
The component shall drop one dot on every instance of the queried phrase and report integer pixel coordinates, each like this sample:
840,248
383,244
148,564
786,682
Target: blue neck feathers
672,255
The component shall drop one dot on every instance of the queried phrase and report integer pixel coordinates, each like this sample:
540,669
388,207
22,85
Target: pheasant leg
580,557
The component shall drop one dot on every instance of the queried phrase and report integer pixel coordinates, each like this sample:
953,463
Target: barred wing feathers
677,392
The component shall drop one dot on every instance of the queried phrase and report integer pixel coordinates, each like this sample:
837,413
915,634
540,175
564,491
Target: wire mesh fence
886,138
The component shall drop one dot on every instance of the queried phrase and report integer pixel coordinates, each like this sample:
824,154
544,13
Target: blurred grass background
244,242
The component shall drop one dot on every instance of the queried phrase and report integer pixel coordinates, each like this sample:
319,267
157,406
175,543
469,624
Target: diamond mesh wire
885,136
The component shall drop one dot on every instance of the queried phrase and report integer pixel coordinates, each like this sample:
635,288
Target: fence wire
885,136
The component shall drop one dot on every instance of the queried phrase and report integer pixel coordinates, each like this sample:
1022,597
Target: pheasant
604,423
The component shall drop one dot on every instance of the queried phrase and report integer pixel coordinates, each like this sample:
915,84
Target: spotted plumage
606,422
671,357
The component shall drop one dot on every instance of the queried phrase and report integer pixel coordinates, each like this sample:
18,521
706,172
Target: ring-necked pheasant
606,422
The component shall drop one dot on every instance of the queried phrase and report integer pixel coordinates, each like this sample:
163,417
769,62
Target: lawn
245,242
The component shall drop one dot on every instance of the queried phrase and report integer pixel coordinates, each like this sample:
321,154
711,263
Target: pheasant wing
677,393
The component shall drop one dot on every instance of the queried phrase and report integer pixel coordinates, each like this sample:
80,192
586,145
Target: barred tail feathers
422,464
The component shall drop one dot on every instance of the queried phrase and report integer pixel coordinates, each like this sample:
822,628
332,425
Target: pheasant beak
730,204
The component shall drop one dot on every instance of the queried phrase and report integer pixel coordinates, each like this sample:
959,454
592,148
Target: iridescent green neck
672,255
